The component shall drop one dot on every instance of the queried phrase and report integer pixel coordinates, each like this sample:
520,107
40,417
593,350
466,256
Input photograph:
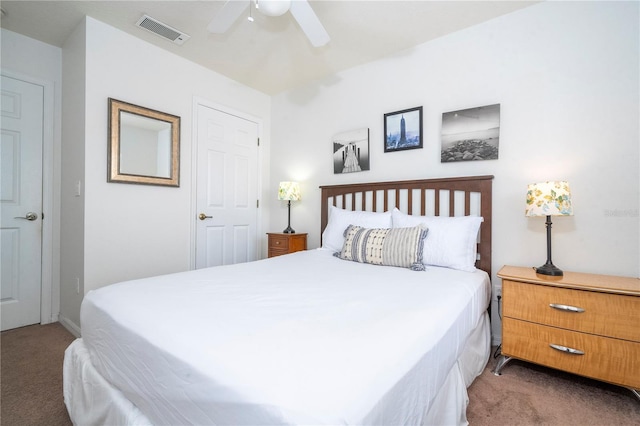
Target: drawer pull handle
566,349
568,308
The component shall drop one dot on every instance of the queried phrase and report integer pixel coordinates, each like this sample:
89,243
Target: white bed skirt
91,400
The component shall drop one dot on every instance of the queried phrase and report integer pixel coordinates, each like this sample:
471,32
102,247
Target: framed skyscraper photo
403,130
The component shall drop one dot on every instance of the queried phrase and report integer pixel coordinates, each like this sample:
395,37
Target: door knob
28,216
203,216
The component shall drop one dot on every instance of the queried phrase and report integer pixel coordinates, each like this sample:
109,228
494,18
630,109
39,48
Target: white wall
72,188
133,231
567,77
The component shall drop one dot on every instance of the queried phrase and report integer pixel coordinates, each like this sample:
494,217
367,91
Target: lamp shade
289,191
549,199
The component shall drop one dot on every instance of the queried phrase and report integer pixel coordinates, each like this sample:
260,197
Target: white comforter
305,338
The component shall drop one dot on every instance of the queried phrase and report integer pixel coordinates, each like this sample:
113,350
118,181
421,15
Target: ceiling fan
300,9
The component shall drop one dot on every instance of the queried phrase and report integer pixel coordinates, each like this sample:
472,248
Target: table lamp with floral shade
549,199
289,191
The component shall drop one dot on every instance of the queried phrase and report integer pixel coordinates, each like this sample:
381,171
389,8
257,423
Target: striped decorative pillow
401,247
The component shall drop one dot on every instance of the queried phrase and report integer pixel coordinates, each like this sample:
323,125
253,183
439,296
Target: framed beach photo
351,151
470,134
403,130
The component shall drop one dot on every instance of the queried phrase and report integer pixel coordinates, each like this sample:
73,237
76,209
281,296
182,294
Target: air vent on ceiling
163,30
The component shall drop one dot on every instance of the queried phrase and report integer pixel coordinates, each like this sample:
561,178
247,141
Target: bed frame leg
501,363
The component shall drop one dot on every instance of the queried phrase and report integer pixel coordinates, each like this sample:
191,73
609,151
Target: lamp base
289,229
549,269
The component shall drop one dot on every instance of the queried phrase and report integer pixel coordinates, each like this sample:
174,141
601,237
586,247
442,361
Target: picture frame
143,145
403,130
351,151
471,134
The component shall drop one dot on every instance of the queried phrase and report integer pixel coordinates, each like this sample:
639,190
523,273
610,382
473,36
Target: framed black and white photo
403,130
351,151
470,134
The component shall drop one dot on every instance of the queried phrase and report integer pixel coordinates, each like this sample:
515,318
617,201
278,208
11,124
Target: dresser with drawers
584,324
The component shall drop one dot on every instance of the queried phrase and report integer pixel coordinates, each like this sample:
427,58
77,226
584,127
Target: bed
313,337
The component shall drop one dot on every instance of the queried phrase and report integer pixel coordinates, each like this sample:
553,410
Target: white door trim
50,284
194,168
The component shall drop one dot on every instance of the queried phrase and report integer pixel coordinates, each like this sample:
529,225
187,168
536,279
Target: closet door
22,123
227,188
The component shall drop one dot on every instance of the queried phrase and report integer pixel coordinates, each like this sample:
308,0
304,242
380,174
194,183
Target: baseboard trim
70,325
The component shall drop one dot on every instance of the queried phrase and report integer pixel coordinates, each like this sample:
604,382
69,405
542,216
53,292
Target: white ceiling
270,54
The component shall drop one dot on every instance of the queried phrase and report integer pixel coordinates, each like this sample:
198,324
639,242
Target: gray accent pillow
402,247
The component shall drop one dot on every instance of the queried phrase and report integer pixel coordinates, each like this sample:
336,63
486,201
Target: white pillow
340,219
451,241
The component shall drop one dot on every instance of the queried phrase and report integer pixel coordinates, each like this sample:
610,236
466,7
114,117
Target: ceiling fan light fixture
273,7
299,9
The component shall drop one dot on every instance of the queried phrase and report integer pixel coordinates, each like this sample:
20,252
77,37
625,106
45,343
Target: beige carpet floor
31,375
31,389
527,394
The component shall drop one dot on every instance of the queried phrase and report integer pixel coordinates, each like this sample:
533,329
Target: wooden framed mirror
144,145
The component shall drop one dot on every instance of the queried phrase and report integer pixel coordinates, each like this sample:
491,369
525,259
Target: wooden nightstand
580,323
280,243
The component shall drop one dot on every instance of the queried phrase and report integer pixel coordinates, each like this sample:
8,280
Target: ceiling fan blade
229,13
309,22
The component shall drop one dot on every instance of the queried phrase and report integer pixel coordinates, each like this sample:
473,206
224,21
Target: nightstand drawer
277,252
278,242
611,360
604,314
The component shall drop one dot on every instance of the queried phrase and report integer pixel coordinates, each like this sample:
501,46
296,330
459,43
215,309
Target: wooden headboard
458,196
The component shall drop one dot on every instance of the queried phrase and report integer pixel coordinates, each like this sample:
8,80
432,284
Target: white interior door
227,188
22,127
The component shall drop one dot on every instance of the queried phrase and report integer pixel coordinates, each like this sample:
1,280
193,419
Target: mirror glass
144,145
